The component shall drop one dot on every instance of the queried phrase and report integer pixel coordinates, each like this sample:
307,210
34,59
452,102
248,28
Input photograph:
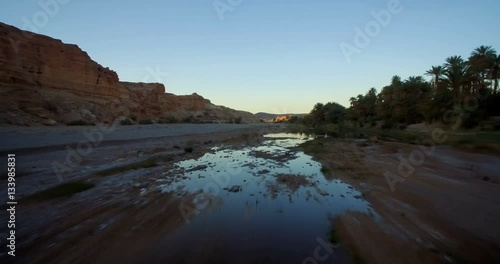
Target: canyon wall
29,59
44,81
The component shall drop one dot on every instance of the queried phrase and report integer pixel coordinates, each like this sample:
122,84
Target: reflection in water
268,204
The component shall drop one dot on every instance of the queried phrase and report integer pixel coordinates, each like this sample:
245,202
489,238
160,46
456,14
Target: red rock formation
44,81
30,59
143,99
194,102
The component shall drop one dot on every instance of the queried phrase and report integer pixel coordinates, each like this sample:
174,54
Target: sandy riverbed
444,210
41,151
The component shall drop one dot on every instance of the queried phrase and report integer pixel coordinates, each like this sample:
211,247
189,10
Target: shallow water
279,213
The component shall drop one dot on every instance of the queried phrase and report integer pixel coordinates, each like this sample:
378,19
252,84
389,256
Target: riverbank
440,206
16,138
112,198
73,183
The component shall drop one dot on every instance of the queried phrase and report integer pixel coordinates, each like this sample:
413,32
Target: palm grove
460,89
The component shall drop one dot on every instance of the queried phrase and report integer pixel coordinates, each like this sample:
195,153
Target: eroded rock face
46,82
191,103
30,59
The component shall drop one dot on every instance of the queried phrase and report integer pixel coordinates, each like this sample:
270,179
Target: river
268,203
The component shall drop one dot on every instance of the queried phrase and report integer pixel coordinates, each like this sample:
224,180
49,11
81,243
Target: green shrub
189,119
80,123
388,124
146,122
238,120
168,120
61,190
472,119
126,122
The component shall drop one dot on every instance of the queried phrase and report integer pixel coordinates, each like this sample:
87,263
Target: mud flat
102,184
445,209
248,194
240,196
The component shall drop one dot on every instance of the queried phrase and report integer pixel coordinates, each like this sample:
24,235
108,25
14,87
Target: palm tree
495,71
361,105
410,108
473,79
352,100
453,60
420,85
396,81
455,74
386,94
484,51
436,72
415,79
484,57
396,85
371,101
372,91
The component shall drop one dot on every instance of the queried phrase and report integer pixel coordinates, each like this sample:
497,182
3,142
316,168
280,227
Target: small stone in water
234,189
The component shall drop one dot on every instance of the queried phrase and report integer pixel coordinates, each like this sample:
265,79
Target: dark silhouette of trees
453,86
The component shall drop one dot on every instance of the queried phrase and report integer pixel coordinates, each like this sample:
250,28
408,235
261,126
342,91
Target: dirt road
14,138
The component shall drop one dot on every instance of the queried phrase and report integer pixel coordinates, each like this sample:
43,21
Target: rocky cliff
30,59
45,81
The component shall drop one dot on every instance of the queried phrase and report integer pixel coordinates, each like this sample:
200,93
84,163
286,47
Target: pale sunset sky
279,56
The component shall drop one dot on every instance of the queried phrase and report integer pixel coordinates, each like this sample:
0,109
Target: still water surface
262,204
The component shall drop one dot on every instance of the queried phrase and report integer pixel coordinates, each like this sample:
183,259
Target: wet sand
53,230
446,211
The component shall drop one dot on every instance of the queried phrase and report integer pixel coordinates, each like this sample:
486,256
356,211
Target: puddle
265,204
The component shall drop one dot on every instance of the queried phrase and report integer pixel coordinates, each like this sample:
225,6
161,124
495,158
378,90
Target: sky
277,56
